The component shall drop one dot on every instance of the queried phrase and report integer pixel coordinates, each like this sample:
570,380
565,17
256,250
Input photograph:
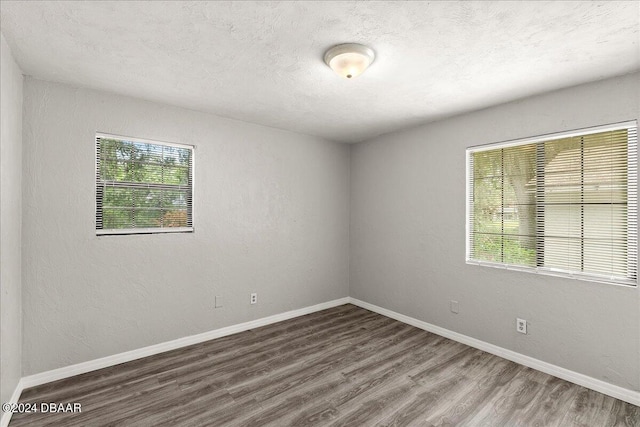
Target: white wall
270,216
408,239
10,221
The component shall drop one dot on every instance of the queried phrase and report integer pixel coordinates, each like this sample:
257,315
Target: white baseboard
604,387
6,416
105,362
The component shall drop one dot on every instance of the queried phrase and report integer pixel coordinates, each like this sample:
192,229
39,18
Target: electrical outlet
254,298
521,326
218,301
454,306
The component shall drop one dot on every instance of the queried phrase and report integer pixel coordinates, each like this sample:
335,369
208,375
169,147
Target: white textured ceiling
262,61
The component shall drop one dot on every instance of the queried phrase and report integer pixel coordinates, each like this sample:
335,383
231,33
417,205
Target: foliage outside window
143,186
564,204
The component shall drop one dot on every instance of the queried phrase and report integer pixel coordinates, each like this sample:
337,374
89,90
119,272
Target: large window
562,204
143,186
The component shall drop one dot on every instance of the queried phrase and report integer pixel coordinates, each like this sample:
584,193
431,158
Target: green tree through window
142,186
563,204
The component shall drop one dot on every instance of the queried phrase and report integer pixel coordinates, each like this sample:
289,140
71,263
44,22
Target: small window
143,186
562,204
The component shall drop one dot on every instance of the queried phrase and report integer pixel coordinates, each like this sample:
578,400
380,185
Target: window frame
632,193
146,230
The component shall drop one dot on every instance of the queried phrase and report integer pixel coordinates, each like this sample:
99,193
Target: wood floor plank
261,354
590,408
344,366
477,396
515,397
413,412
549,408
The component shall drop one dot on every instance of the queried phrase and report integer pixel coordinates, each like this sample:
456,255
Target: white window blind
563,204
143,186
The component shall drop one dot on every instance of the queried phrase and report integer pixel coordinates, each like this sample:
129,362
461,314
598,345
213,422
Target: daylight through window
143,186
564,204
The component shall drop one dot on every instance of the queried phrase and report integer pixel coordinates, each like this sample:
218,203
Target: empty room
319,213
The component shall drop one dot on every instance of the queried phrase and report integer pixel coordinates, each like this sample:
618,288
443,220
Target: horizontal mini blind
502,196
564,205
143,186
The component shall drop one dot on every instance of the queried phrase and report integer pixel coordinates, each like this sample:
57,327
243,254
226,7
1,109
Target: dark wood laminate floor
345,366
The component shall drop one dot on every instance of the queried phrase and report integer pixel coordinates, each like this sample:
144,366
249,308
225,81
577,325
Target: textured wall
10,222
270,216
408,239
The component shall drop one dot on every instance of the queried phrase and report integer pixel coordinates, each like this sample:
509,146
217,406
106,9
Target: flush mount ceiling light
350,59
